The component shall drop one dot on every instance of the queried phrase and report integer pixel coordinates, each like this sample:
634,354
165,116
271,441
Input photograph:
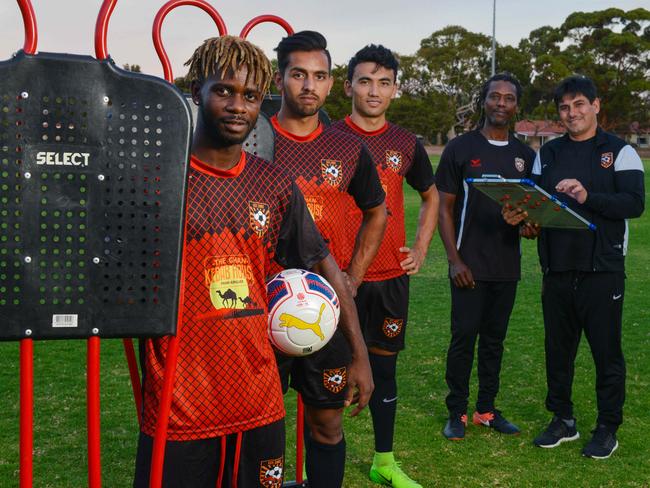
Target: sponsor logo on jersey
332,171
394,160
259,217
335,379
392,327
315,206
606,159
271,471
227,278
475,163
50,158
520,164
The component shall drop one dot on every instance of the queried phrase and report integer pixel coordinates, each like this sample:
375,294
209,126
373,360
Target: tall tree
613,47
456,62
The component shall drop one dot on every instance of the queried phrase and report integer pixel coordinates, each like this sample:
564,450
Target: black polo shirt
488,245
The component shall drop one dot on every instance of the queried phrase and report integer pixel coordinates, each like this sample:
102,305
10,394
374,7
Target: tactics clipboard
543,208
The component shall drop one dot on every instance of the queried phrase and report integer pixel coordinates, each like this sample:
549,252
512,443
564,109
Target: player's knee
326,428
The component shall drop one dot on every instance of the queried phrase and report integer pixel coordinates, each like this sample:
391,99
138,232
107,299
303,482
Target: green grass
483,459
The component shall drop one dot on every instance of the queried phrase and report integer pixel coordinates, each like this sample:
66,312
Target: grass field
483,459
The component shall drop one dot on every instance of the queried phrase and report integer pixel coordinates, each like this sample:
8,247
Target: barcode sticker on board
60,320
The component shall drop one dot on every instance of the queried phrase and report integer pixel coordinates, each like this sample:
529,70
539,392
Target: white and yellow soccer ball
304,312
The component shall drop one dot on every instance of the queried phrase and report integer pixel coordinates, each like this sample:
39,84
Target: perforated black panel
93,165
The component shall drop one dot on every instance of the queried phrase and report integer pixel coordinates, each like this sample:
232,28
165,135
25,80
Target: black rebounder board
93,168
543,208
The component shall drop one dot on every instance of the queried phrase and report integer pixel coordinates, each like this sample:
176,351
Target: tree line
439,83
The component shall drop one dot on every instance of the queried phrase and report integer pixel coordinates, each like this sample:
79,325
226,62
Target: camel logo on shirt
259,217
227,279
520,164
394,160
606,159
332,171
287,320
271,471
392,327
335,379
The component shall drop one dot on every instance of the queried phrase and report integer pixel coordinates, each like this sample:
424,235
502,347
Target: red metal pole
26,412
135,376
29,22
300,432
260,19
157,26
101,28
93,413
160,436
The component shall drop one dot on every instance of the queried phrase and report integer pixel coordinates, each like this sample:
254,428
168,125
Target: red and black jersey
237,221
397,155
327,165
485,242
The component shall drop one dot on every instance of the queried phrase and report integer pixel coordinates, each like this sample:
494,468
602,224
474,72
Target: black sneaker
602,444
556,433
496,421
455,427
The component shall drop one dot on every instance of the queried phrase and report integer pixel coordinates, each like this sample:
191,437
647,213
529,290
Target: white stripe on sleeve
628,159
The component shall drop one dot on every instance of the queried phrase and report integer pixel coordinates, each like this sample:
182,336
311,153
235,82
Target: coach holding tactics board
584,279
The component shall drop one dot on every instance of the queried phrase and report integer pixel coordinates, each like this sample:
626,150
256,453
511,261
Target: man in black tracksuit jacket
584,278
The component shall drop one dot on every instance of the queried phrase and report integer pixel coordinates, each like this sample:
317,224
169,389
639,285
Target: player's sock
383,459
325,463
383,403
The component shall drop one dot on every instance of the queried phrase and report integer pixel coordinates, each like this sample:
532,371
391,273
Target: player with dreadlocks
226,426
483,253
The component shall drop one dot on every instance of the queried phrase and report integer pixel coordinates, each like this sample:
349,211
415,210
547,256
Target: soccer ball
303,312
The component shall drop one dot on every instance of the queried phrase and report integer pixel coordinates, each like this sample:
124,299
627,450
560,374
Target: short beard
495,123
212,128
298,110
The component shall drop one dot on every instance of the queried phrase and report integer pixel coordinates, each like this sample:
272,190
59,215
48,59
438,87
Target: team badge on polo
271,473
520,164
392,327
258,217
394,160
335,379
606,159
332,171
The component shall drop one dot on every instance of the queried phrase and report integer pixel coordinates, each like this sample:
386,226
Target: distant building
638,136
537,132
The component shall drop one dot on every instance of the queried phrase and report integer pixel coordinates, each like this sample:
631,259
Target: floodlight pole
494,22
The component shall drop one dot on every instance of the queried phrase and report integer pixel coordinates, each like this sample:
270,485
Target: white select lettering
62,159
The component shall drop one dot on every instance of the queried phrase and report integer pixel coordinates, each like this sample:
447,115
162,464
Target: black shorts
200,463
322,377
383,312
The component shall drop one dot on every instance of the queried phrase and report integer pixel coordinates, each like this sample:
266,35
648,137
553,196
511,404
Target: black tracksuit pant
574,301
481,312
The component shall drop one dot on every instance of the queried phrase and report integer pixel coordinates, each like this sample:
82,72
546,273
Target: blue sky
67,25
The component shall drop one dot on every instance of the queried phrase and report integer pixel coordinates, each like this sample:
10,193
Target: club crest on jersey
335,379
392,327
271,471
394,160
520,164
606,159
258,217
332,171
